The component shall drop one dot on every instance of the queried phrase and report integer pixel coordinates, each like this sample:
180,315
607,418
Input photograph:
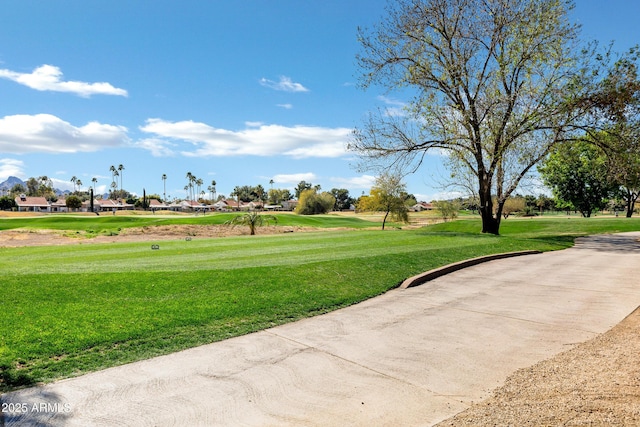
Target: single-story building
422,206
221,205
109,205
59,205
192,205
289,205
157,205
32,204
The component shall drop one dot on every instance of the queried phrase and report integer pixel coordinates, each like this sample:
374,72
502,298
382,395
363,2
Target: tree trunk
629,209
385,219
631,202
490,223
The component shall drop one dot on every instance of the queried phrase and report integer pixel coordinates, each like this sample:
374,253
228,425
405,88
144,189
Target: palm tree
114,185
45,187
190,178
79,184
74,179
199,183
164,182
120,169
95,181
252,219
114,189
236,192
114,173
262,195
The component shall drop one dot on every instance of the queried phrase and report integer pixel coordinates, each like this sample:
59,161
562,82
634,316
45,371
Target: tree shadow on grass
12,378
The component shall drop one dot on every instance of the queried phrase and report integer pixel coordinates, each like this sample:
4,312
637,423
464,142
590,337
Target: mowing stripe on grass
66,310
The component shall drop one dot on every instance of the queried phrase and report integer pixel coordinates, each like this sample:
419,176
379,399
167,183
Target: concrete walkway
410,357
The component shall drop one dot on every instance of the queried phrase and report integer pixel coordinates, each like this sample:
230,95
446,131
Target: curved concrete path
410,357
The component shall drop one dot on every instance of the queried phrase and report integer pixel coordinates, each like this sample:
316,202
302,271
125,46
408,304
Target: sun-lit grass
547,226
108,223
67,310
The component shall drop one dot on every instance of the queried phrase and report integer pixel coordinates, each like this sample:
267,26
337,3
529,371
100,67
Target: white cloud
65,184
44,133
11,167
358,182
294,178
49,78
395,108
158,147
262,140
285,106
285,84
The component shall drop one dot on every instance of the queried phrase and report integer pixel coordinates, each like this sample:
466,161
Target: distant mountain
10,183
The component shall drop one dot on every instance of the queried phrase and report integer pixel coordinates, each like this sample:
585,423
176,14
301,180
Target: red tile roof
31,201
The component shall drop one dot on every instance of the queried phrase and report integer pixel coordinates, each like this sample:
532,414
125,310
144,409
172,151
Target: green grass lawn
67,310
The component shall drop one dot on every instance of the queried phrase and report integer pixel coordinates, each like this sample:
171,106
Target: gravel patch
596,383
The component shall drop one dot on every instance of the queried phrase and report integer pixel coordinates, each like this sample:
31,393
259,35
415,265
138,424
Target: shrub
312,203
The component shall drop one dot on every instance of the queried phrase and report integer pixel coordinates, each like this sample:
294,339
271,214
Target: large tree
279,195
623,163
495,82
621,98
577,174
73,202
388,195
343,199
302,186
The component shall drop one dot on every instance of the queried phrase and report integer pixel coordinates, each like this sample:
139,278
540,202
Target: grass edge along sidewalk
69,312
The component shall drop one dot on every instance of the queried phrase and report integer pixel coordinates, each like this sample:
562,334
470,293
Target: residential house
221,205
32,204
289,205
422,206
157,205
192,205
59,205
110,205
272,207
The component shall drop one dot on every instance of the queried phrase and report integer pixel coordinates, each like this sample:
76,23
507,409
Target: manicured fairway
67,310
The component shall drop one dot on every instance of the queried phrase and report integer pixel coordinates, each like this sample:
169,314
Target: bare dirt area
597,383
18,238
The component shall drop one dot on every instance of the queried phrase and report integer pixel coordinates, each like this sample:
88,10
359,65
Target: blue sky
240,92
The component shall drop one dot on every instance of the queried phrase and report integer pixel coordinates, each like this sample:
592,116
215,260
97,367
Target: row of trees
43,187
310,199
